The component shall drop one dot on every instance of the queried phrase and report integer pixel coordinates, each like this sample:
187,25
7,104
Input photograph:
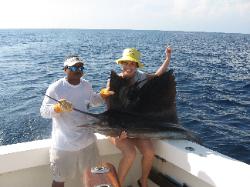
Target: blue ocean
212,72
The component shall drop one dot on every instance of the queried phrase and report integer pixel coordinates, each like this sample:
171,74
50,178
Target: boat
177,163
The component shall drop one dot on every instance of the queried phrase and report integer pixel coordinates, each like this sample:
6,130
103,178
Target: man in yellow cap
73,148
130,62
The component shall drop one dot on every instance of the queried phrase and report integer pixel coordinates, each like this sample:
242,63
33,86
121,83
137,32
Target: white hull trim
193,167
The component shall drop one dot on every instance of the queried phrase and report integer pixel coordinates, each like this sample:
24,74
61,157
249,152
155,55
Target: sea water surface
212,73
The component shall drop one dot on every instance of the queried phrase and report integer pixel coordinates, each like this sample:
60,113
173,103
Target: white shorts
65,164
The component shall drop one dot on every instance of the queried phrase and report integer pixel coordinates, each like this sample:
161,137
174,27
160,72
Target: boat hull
27,164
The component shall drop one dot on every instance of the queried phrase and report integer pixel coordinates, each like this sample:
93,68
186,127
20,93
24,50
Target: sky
230,16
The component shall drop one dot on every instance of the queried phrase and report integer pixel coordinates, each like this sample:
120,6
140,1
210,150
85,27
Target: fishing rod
75,109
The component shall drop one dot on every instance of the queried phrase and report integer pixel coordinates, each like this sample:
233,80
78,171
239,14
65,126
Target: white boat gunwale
193,160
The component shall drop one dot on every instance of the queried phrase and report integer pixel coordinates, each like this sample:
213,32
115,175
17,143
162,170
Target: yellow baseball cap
131,54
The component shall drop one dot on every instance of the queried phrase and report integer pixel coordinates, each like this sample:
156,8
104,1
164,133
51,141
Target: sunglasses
75,68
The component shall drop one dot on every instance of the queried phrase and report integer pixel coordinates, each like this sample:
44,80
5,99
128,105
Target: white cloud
212,15
196,15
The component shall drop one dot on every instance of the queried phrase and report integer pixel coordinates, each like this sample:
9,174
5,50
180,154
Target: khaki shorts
65,164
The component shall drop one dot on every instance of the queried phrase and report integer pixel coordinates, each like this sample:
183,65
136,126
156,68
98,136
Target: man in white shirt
72,148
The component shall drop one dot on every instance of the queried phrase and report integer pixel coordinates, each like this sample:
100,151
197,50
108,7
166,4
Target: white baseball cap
71,61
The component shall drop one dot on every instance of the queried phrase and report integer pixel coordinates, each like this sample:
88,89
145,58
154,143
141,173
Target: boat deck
27,165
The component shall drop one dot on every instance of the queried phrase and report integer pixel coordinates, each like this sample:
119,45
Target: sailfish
147,111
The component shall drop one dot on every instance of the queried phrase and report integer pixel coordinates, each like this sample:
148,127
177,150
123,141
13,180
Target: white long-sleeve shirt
66,135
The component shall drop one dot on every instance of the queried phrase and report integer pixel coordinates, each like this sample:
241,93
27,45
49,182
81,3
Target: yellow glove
63,106
105,92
